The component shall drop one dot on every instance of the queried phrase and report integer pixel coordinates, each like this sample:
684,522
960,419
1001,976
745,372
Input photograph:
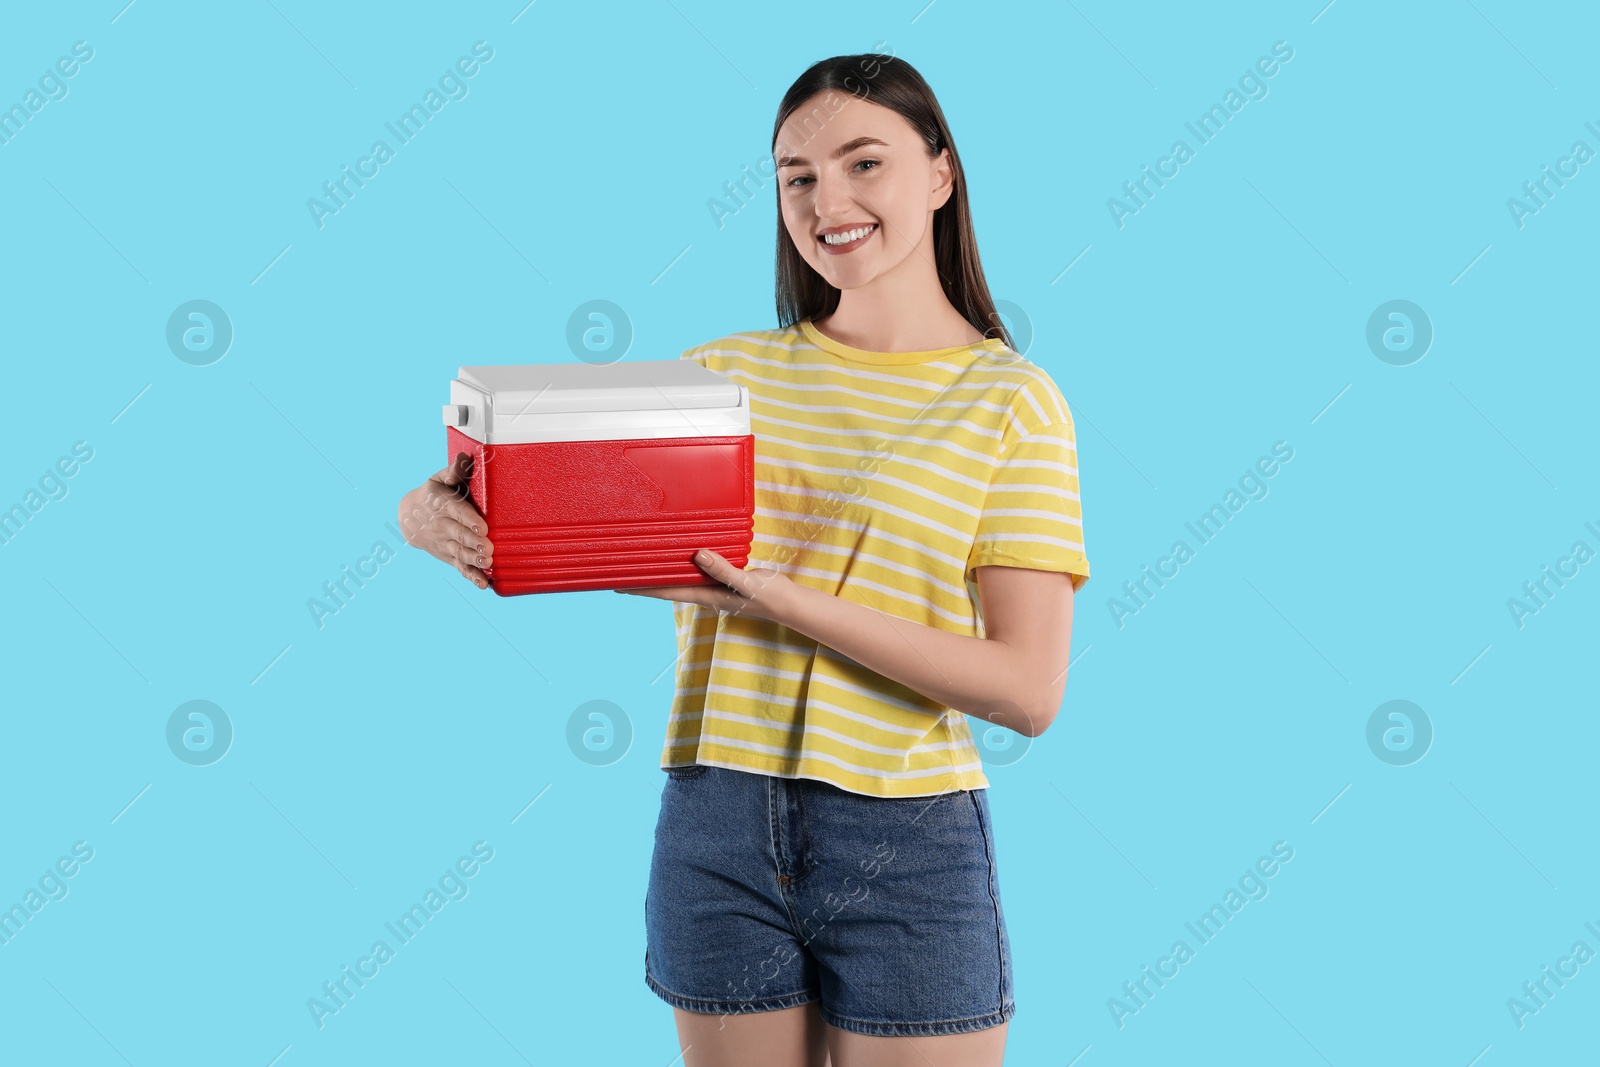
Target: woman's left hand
763,592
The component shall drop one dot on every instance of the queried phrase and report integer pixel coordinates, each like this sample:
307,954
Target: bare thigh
980,1048
797,1037
792,1037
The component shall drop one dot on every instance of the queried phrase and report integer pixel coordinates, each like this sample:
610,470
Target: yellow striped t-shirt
883,478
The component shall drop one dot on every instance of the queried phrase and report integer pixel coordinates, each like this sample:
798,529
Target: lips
836,249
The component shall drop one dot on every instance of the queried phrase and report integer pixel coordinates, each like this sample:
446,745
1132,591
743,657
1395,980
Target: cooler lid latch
457,415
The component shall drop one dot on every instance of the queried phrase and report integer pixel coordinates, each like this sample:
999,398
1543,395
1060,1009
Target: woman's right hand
438,517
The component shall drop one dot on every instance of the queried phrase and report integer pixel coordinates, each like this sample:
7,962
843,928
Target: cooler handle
458,415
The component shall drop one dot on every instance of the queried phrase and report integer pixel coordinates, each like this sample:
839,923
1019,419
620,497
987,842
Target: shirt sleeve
1032,516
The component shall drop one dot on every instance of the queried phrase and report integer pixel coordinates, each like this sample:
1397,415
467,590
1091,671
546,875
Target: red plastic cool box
605,476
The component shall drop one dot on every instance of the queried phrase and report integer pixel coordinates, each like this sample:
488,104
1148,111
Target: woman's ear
943,180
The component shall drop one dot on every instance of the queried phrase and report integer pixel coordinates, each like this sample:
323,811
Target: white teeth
849,235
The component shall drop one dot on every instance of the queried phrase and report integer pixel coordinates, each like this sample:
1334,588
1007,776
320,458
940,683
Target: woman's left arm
1013,677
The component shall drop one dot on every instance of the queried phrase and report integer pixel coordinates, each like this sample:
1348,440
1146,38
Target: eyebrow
844,149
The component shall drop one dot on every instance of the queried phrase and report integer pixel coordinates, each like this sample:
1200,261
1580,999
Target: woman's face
847,164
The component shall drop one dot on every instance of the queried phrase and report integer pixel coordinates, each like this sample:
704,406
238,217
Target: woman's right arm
438,517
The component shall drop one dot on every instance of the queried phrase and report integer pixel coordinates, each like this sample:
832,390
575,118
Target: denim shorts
769,893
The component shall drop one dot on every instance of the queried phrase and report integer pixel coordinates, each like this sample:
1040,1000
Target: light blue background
1228,314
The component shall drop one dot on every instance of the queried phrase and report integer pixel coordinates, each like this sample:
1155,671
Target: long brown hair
803,293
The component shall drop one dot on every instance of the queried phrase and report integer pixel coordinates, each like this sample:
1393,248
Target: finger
462,556
687,594
459,471
744,587
473,575
468,516
476,545
457,509
428,507
456,480
717,566
468,533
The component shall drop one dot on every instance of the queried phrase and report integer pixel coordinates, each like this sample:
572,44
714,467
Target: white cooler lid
518,403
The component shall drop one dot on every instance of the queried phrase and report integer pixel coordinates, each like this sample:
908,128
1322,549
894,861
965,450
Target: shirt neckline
861,355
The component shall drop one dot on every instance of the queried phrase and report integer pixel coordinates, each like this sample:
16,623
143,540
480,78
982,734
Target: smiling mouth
847,240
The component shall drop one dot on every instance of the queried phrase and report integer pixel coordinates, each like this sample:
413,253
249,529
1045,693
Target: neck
903,310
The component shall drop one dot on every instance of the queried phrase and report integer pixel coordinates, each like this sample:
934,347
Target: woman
824,886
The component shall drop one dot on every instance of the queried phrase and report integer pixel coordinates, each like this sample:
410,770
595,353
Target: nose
834,198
